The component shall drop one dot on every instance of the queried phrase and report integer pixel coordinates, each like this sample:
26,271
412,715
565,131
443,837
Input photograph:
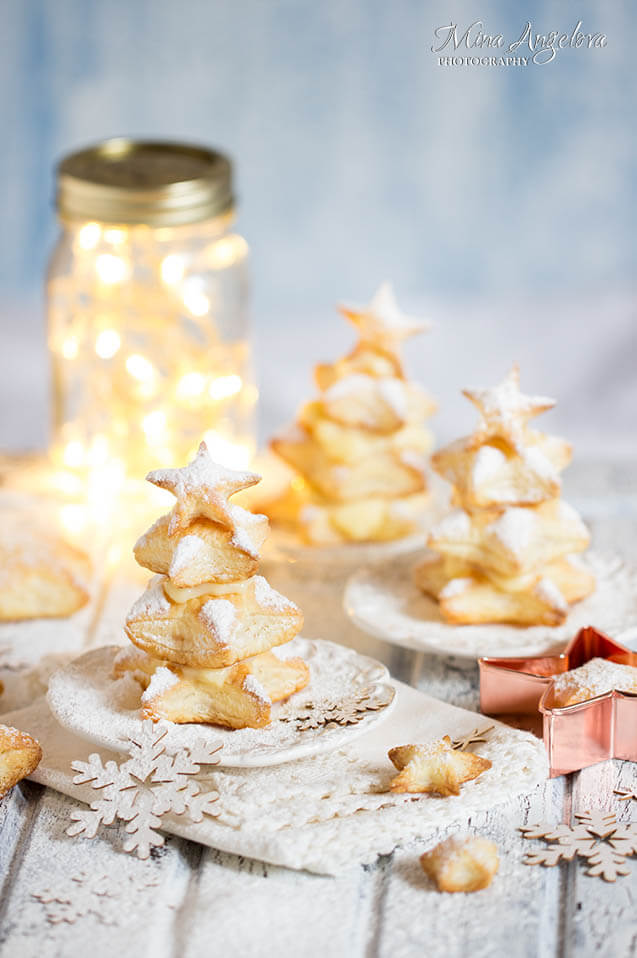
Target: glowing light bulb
172,269
67,483
98,453
227,251
140,368
73,454
107,343
154,425
89,235
225,386
114,236
70,347
191,385
111,269
196,301
73,518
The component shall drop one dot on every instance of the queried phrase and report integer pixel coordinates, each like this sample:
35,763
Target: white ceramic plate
385,602
85,698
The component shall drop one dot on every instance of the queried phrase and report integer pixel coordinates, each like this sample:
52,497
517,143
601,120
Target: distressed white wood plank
250,908
507,918
603,919
17,811
48,859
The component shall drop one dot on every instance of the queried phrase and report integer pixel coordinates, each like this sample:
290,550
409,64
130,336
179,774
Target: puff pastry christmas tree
506,553
359,450
205,626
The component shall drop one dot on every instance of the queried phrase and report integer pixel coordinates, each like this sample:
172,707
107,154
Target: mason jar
148,325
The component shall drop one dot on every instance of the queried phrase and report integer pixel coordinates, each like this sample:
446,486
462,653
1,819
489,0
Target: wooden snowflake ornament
326,712
597,838
625,795
96,894
473,738
140,791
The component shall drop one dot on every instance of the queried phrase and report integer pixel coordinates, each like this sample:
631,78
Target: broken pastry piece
19,756
41,575
207,622
462,864
436,768
240,696
595,677
358,453
508,553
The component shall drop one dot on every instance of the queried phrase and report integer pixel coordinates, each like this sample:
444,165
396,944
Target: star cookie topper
577,735
505,411
202,488
381,321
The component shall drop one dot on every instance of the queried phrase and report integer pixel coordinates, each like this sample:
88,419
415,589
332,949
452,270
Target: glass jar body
150,345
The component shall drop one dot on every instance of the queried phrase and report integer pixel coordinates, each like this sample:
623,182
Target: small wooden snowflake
478,735
141,790
597,837
95,894
327,712
625,795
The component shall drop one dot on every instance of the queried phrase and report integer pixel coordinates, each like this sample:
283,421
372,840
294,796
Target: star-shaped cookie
202,488
505,411
436,768
381,322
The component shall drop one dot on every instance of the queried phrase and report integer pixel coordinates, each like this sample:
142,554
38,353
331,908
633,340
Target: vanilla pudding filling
206,588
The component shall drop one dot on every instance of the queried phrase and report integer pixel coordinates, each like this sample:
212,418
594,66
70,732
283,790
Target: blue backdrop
358,157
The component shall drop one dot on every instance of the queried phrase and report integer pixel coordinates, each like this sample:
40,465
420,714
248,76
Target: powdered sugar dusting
456,587
394,393
514,529
480,849
350,386
220,615
252,685
152,602
11,737
569,514
457,525
541,466
268,598
505,401
383,320
188,550
596,677
161,680
203,473
247,530
549,593
415,460
487,463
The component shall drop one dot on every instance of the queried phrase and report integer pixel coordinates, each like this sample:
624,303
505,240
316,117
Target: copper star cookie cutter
520,691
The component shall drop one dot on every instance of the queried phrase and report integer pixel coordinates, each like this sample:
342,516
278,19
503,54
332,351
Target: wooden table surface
207,902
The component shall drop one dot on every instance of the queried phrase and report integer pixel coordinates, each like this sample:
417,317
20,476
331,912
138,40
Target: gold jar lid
138,181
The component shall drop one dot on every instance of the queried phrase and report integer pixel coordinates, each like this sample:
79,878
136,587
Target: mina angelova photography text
528,47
